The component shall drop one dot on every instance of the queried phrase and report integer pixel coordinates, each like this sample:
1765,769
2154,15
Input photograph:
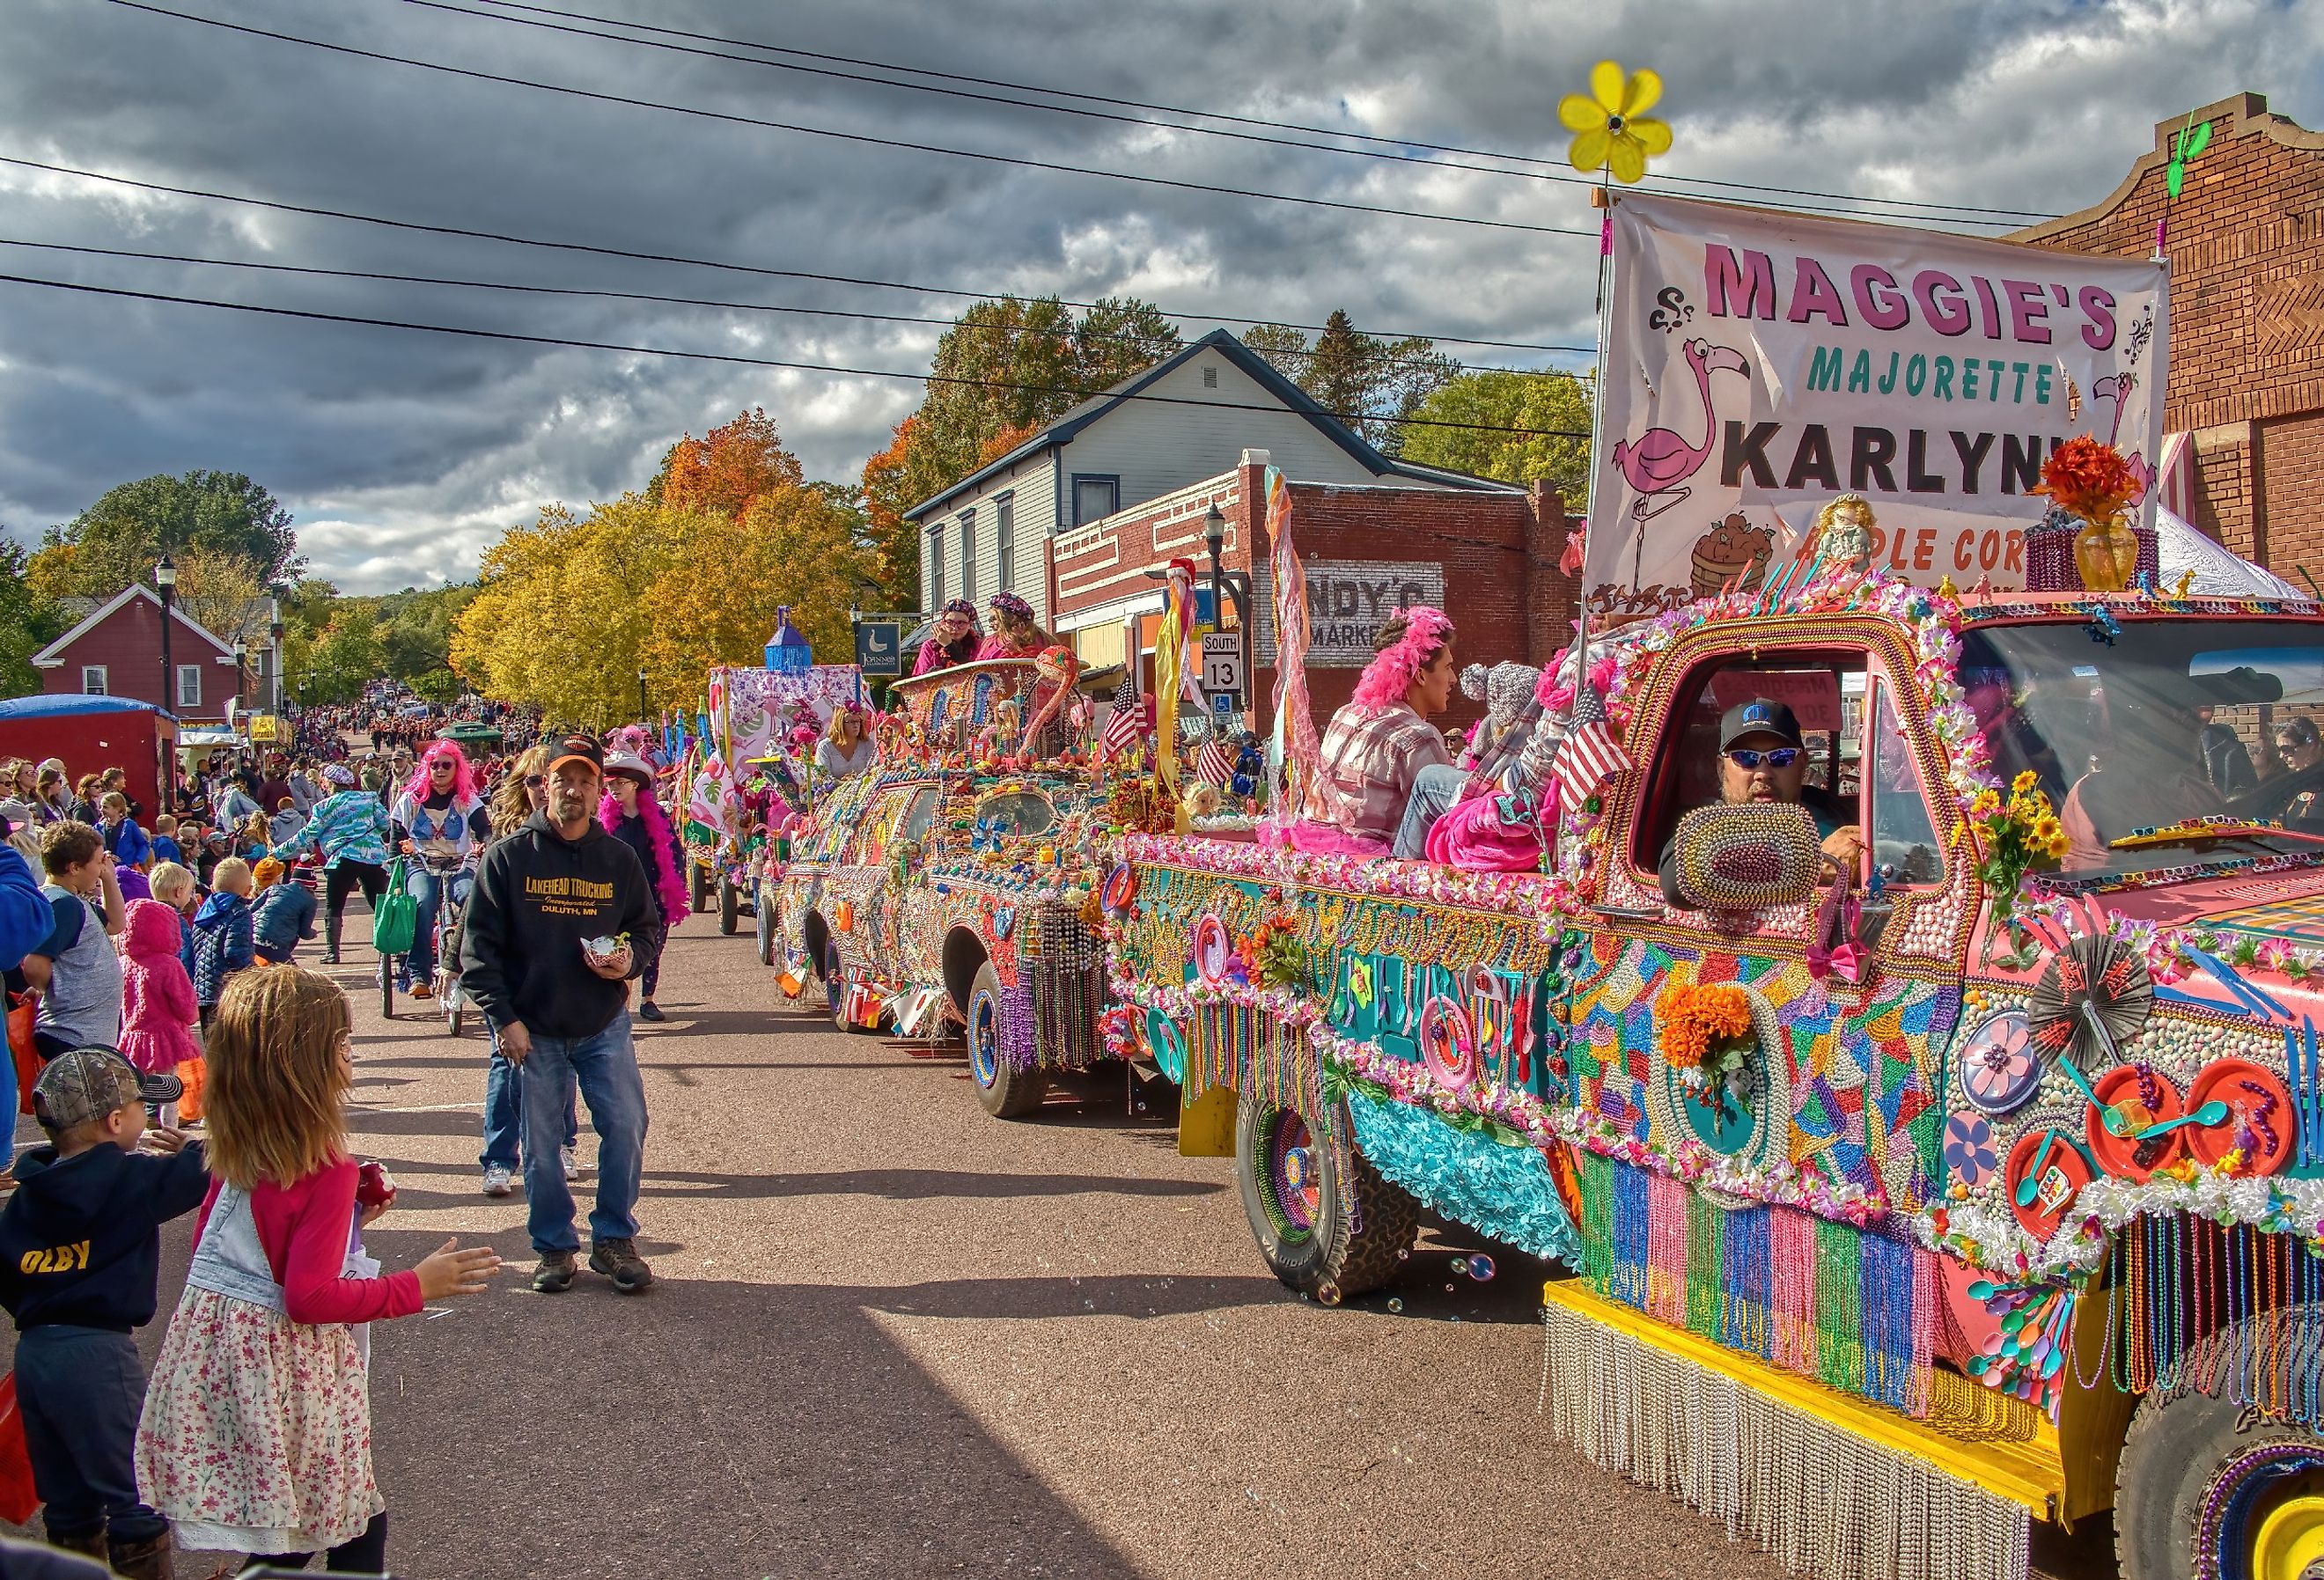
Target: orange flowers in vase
2090,480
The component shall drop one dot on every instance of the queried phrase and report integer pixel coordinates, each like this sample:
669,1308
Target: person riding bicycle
349,832
440,820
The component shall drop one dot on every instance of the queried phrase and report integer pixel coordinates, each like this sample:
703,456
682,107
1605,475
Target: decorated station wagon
1901,1209
950,888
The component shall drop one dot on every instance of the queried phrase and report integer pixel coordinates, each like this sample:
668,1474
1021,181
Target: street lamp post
275,655
165,579
241,656
1234,584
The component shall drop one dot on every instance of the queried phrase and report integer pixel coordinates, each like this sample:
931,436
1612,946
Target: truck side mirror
1751,857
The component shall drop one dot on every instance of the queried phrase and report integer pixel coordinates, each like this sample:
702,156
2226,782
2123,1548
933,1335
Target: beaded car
1990,1174
947,890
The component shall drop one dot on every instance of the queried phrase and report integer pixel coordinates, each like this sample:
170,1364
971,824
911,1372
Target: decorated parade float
1898,1201
951,889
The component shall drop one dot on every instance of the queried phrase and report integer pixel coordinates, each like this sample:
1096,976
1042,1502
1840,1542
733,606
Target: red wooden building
116,652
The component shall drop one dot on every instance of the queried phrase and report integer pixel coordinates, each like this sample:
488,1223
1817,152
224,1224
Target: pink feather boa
1392,672
677,903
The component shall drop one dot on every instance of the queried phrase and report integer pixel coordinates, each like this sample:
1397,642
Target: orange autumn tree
721,473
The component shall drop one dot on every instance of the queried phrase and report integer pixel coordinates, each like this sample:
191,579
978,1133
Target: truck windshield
2152,724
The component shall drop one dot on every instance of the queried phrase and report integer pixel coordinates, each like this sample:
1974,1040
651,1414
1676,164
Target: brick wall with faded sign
1349,600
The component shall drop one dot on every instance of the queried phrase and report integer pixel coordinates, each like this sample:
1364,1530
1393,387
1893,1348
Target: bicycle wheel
387,987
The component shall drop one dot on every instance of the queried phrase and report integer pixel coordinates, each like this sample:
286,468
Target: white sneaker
571,1158
498,1181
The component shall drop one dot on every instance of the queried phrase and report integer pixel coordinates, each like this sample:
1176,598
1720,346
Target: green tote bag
395,920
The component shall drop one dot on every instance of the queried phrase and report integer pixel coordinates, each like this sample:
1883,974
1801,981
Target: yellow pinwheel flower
1611,129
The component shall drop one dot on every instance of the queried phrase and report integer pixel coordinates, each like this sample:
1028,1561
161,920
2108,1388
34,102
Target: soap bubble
1481,1268
1460,1264
1327,1293
1394,1304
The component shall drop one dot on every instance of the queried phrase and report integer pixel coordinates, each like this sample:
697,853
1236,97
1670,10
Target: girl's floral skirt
256,1437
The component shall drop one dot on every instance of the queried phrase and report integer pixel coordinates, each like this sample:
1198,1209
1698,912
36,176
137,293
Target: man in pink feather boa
631,814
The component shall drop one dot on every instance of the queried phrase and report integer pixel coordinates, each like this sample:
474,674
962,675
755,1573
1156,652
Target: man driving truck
1761,758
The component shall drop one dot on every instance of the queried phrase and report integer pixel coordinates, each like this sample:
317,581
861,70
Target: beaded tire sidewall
1011,1093
1334,1251
2170,1457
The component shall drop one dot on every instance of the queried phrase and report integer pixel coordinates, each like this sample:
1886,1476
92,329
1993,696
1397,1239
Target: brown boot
91,1545
143,1560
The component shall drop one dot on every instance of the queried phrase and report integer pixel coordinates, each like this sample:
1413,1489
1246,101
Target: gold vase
2106,554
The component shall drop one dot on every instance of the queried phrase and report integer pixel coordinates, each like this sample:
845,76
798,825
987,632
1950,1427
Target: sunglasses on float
1778,757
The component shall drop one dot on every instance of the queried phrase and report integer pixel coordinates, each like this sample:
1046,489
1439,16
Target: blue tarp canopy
66,703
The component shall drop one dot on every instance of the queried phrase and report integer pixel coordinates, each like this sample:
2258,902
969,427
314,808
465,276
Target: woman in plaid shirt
1378,745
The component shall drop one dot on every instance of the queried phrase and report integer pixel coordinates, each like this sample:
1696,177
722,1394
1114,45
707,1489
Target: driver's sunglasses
1776,757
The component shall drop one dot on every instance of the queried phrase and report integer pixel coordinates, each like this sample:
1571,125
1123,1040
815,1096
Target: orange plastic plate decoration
2260,1117
2120,1155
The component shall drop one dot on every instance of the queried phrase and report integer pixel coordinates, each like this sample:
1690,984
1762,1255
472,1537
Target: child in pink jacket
157,997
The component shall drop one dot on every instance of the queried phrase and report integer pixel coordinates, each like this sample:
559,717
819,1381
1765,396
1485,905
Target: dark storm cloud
402,454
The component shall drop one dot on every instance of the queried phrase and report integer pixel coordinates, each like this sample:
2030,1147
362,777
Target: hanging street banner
1758,365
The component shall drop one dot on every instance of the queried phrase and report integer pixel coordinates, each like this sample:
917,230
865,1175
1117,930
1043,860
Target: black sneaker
651,1011
619,1261
330,957
554,1276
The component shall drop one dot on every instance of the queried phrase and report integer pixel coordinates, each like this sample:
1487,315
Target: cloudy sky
401,453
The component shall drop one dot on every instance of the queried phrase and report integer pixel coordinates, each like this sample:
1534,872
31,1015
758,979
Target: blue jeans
427,890
1435,791
504,1112
79,1391
605,1069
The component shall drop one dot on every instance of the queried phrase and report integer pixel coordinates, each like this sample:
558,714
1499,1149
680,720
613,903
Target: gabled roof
52,656
1261,372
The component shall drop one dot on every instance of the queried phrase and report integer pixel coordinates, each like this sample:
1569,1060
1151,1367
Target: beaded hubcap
2263,1516
984,1039
1292,1194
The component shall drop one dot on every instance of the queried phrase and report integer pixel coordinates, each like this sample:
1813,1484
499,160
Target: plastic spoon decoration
2212,1112
2031,1186
2024,1356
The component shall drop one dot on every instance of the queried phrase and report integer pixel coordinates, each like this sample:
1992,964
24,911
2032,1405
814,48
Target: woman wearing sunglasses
1761,758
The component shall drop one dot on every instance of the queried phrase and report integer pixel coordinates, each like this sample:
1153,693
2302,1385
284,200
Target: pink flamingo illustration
1658,465
2116,387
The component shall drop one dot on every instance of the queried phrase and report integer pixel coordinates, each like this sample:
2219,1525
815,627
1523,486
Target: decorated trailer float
1900,1211
951,889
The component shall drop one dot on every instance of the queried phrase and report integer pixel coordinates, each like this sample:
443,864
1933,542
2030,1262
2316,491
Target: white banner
1758,365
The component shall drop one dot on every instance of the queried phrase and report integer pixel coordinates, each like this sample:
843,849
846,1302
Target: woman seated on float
845,750
1379,746
953,639
1015,632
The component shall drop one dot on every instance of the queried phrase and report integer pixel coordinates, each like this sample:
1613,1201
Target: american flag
1122,731
1213,766
1591,753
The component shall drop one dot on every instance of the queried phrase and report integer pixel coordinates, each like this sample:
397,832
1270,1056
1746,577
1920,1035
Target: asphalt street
891,1335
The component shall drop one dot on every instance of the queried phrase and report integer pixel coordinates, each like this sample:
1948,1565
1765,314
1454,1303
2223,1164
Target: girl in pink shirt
256,1435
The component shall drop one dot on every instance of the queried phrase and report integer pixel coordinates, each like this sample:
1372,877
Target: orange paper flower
2089,478
1697,1017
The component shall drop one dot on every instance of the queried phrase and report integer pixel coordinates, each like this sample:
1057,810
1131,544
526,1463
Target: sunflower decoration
1611,129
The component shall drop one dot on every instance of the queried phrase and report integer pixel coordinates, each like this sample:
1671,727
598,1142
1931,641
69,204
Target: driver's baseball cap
1758,716
577,749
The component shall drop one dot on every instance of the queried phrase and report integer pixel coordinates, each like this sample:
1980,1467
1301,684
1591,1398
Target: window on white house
1095,498
1004,540
92,681
968,556
935,571
1210,378
190,685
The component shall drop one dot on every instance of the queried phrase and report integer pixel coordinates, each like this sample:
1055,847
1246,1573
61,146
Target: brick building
116,652
2246,241
1489,559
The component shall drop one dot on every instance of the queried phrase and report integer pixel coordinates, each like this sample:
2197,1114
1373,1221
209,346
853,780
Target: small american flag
1213,766
1590,754
1121,725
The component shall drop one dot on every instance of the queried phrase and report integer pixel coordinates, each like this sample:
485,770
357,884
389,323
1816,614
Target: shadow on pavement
885,1183
784,1433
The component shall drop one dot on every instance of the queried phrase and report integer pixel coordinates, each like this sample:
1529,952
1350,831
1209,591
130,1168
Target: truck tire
2207,1486
730,906
698,884
1005,1091
1291,1197
762,917
834,986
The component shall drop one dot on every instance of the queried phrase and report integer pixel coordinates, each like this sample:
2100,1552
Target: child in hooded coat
223,939
157,997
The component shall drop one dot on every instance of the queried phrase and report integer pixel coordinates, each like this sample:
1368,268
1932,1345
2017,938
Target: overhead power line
527,288
865,138
1536,168
759,271
364,321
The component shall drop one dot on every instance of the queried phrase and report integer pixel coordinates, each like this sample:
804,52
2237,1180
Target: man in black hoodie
546,954
80,1251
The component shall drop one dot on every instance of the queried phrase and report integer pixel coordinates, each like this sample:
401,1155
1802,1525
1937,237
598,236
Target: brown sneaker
143,1560
554,1275
619,1261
